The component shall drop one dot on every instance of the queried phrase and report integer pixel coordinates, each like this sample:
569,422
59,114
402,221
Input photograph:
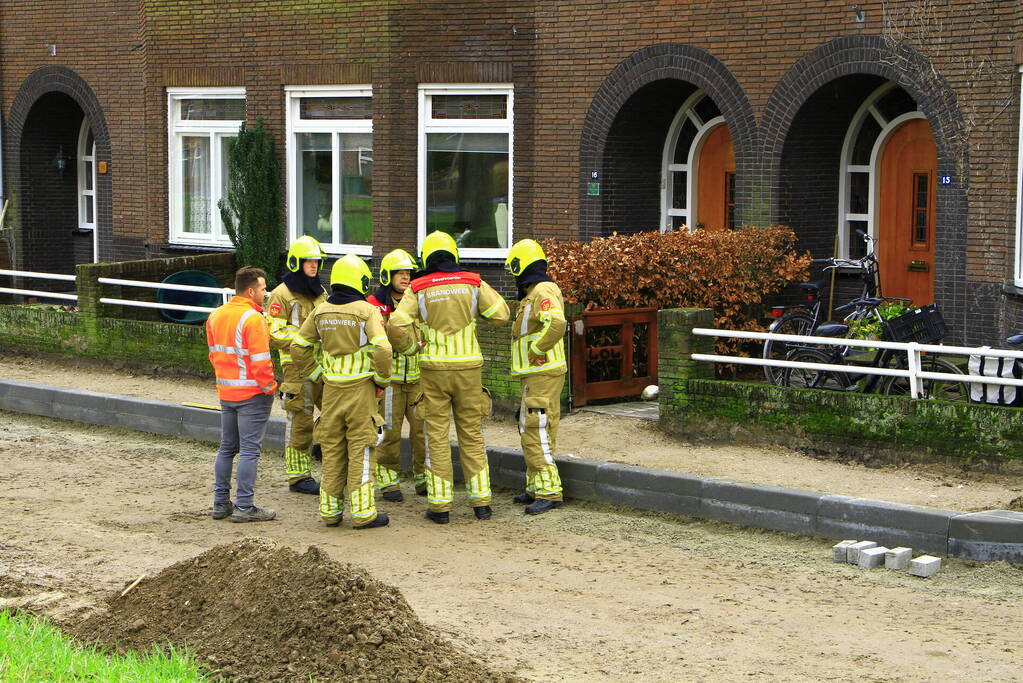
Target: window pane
679,190
314,185
857,247
706,109
685,140
90,210
213,110
226,144
90,143
859,192
895,103
469,106
356,169
865,141
467,187
195,184
678,222
336,107
87,172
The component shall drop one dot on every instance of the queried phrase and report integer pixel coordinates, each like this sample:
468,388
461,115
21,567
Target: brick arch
58,79
874,55
667,61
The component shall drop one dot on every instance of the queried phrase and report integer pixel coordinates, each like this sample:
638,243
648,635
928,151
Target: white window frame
686,112
427,124
217,131
868,108
85,195
292,101
1018,274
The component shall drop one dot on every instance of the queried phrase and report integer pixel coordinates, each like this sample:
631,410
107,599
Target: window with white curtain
330,166
465,166
202,125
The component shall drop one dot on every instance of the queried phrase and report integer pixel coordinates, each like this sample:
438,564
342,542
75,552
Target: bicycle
801,319
924,325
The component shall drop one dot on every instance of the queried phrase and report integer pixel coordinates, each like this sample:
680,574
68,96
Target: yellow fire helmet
523,254
351,271
438,241
302,248
399,259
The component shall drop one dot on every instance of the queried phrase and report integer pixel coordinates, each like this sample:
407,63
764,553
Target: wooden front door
905,220
715,180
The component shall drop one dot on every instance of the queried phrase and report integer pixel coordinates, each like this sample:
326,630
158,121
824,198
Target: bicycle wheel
814,378
796,322
935,389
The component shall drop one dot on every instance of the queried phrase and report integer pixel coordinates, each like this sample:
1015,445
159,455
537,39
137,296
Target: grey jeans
242,427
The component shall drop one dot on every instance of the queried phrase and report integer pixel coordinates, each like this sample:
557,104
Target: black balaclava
300,283
440,262
343,294
533,273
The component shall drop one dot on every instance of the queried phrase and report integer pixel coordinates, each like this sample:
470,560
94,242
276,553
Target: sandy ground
587,593
623,440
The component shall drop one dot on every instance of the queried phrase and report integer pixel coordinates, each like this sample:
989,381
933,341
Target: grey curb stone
890,524
985,536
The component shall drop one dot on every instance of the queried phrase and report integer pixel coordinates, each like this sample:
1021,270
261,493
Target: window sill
197,247
1012,290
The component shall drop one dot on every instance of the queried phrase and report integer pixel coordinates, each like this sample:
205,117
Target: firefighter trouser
398,405
539,414
457,392
348,433
298,431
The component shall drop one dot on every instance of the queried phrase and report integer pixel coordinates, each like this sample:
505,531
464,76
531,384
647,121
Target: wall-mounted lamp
60,161
858,14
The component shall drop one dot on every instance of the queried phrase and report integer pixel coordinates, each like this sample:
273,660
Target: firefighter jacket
404,368
444,307
539,329
239,344
286,312
352,344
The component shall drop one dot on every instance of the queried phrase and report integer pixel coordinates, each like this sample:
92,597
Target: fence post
675,343
915,383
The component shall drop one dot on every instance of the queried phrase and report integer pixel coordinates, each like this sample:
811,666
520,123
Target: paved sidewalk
641,410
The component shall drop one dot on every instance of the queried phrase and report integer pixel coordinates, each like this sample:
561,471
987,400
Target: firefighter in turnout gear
399,398
291,302
343,341
538,360
439,313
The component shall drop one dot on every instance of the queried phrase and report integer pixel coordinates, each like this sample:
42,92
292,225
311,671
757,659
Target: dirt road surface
613,439
587,593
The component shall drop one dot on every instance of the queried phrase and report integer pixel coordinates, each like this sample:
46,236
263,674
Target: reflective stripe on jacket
239,343
539,329
351,340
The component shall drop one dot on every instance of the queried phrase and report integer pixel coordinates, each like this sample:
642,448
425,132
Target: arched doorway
698,178
888,183
86,171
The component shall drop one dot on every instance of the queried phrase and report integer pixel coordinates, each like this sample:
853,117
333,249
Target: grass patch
32,649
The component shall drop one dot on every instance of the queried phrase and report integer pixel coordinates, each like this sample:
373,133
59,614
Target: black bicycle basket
924,325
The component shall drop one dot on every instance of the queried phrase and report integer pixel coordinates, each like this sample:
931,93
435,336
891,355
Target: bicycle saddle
814,286
1015,339
831,330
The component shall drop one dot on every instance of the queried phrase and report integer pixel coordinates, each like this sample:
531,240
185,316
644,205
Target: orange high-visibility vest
239,341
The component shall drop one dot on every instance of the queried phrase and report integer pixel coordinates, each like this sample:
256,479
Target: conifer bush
253,209
730,271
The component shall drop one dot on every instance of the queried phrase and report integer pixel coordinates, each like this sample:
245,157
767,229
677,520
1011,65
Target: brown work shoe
252,514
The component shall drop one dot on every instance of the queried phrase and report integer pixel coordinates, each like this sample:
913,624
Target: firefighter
354,360
400,396
439,313
538,360
291,302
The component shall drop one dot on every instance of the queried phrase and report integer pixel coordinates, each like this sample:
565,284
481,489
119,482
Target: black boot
540,505
524,498
307,485
483,512
438,517
393,496
380,520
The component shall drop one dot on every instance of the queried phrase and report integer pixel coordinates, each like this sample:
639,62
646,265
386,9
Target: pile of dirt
257,611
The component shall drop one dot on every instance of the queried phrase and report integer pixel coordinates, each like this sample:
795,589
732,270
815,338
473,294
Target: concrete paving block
840,551
897,558
578,477
276,427
146,407
987,536
872,557
5,388
25,397
853,551
925,566
84,414
892,524
763,496
151,425
202,432
646,489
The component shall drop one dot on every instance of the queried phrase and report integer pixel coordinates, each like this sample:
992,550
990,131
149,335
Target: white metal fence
40,276
912,371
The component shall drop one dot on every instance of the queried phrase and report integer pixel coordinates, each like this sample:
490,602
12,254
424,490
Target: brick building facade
609,120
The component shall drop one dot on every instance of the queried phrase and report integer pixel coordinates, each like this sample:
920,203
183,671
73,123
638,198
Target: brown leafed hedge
731,271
